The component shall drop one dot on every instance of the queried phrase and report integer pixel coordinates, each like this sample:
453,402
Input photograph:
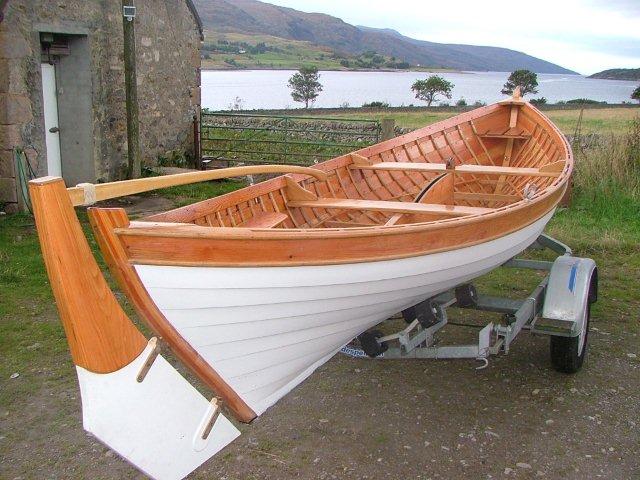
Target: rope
89,190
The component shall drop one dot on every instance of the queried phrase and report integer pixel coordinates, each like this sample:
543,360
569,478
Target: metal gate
247,138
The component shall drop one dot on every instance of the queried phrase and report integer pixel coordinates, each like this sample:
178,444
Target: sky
583,35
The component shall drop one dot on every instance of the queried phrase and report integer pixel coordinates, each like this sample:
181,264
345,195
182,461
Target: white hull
266,329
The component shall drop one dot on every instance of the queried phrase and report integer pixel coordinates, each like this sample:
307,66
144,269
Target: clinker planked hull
264,330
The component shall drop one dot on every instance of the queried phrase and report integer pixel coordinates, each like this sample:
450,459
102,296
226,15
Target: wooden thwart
265,220
551,170
382,206
513,133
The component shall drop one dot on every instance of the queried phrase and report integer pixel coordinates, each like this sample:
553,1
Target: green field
594,120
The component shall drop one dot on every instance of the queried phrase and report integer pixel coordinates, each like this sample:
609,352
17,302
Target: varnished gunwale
201,246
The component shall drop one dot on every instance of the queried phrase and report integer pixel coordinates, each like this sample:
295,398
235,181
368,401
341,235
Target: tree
636,94
430,88
305,86
525,79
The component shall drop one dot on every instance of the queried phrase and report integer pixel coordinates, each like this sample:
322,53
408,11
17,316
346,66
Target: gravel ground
371,419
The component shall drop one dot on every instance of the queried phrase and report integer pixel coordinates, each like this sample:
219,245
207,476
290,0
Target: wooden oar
88,193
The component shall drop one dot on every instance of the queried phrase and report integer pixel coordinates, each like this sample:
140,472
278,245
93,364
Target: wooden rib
230,216
101,337
309,215
285,199
450,199
400,178
219,217
484,147
239,209
263,206
396,207
277,208
534,146
418,178
344,189
103,222
466,143
362,195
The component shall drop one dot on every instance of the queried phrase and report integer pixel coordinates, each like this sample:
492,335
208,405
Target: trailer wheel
369,343
568,353
466,296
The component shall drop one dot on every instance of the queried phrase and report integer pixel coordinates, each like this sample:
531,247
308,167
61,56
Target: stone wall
168,66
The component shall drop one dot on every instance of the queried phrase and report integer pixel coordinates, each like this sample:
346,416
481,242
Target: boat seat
265,220
550,170
514,133
383,206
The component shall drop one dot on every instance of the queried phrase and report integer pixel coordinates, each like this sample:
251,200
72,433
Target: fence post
388,128
197,143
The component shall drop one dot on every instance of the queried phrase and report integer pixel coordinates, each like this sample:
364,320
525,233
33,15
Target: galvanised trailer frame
558,307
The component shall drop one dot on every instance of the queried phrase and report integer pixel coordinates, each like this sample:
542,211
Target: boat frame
558,307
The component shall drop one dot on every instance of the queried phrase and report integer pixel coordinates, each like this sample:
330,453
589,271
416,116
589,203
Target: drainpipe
134,169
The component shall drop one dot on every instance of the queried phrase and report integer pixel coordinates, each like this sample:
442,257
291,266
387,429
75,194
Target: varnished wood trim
282,247
296,192
101,337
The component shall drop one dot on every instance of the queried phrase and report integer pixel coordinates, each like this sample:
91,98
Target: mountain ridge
632,74
254,17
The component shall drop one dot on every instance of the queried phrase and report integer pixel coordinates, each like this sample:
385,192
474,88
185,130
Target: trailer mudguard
572,286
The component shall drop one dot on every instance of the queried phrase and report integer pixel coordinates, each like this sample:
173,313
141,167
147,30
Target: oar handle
88,193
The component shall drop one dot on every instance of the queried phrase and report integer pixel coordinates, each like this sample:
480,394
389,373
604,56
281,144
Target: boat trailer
558,307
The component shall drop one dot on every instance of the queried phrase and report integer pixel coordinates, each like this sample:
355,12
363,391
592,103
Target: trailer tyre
369,343
466,296
568,353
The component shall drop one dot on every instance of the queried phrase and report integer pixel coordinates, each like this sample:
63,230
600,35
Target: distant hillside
226,51
618,74
254,17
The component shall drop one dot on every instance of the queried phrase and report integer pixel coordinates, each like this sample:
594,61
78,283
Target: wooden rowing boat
253,290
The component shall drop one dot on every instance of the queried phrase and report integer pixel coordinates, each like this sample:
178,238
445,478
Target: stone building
62,88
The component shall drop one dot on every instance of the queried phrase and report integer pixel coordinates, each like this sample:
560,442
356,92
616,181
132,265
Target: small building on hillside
62,87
